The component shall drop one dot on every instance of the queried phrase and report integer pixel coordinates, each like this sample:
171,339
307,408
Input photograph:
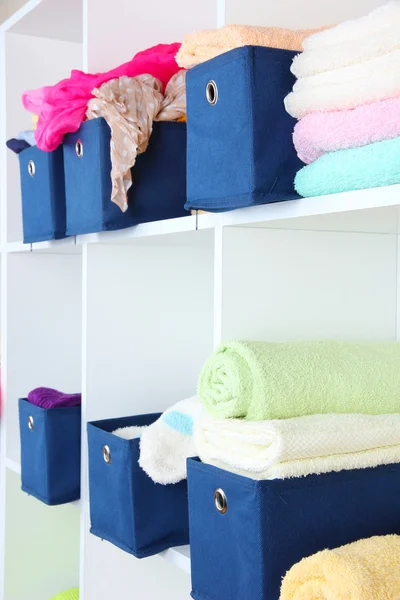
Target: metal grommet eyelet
79,149
107,454
221,503
212,92
31,423
31,168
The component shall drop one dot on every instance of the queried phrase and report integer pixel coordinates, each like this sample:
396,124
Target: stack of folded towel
285,409
347,98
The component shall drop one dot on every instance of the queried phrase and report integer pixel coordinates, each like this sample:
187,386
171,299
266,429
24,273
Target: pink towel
321,132
62,107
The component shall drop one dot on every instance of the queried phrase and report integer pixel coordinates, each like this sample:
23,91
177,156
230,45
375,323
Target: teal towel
280,380
370,166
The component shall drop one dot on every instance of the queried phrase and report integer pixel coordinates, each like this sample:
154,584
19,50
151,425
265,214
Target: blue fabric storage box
240,148
158,179
269,526
126,507
50,452
43,194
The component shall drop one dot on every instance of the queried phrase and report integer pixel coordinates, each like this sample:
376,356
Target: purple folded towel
49,398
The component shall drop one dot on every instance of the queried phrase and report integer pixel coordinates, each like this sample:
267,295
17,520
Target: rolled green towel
280,380
68,595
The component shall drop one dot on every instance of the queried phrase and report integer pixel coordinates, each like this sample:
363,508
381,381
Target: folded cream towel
348,87
312,62
299,446
378,21
203,45
365,570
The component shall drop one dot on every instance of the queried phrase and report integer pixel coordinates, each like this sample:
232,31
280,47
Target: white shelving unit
129,317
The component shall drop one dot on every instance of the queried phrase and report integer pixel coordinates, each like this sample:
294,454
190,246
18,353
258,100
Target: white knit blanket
346,88
299,446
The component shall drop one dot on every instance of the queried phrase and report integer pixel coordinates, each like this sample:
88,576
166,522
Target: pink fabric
321,132
62,107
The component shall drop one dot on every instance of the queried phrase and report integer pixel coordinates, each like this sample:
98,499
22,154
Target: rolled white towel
299,446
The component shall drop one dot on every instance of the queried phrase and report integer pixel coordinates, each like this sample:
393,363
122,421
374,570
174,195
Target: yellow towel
365,570
200,46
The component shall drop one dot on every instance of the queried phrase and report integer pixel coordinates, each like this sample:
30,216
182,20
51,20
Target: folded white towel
166,444
300,446
320,60
377,21
346,88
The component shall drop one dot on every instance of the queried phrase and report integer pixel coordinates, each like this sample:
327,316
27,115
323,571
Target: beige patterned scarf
130,105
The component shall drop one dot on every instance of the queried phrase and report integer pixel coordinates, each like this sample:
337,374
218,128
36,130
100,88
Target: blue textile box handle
43,194
126,507
246,534
240,149
50,452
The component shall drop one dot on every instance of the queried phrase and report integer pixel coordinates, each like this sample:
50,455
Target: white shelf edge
20,14
156,228
179,556
266,213
13,465
305,207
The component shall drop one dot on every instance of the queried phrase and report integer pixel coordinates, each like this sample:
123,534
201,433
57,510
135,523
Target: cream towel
346,54
365,570
378,21
348,87
203,45
299,446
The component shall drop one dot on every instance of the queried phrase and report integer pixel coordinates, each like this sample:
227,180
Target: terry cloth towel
371,166
280,380
62,107
376,35
49,398
381,20
130,105
348,87
365,570
68,595
322,132
300,446
129,433
204,45
168,443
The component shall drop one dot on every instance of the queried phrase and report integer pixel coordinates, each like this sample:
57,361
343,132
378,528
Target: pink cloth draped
62,107
321,132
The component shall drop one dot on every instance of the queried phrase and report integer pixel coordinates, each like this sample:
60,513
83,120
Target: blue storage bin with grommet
126,507
50,452
158,188
43,194
240,149
246,534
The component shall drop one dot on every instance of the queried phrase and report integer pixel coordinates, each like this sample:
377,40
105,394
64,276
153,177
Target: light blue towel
371,166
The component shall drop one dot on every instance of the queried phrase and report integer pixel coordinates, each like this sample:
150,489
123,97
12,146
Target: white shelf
55,19
364,211
380,206
180,557
14,466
